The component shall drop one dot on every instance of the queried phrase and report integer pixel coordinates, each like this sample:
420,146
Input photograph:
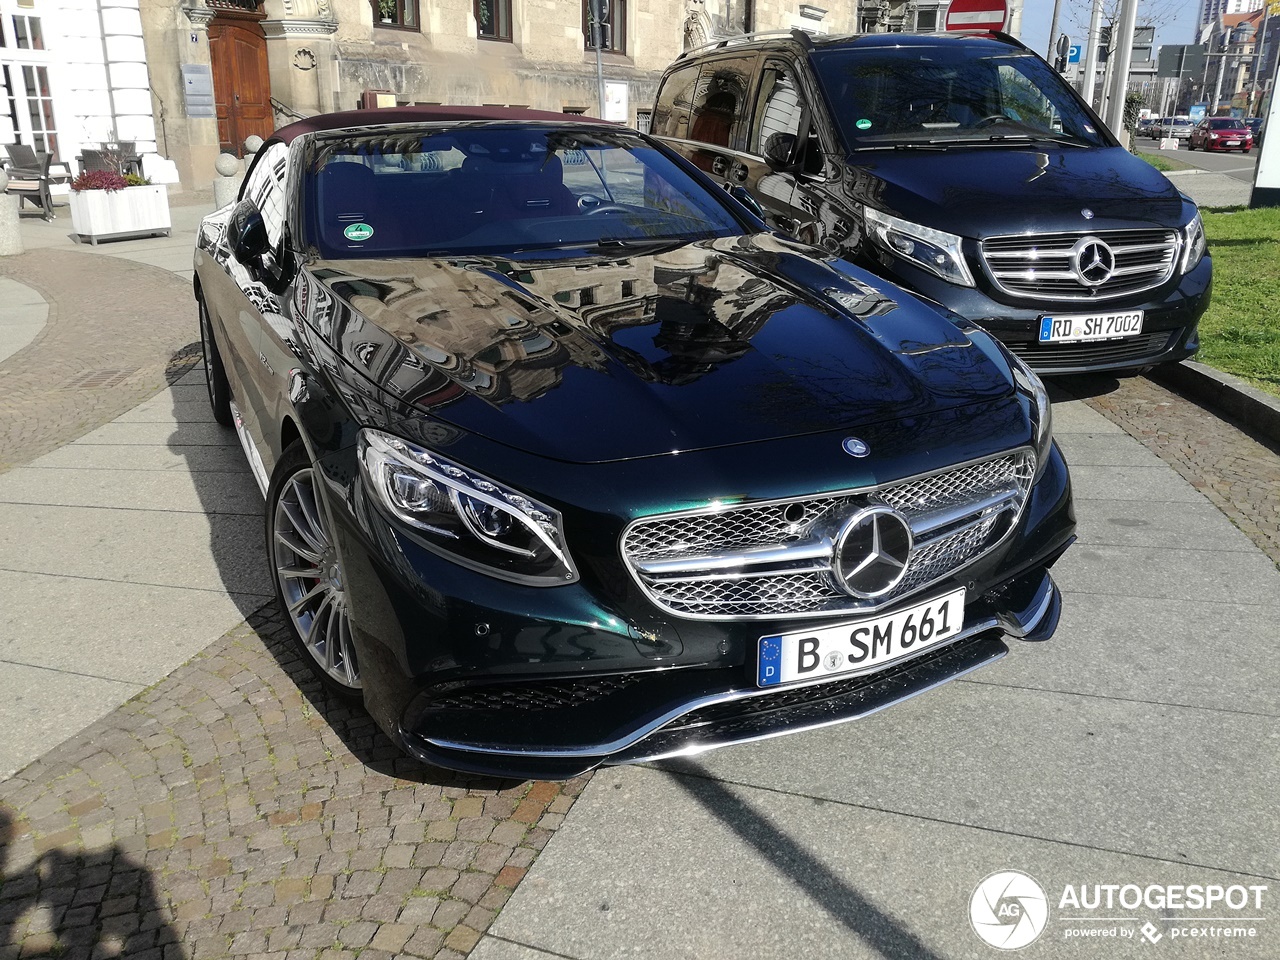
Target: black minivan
962,167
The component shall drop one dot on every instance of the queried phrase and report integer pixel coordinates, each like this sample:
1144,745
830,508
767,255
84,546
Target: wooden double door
241,81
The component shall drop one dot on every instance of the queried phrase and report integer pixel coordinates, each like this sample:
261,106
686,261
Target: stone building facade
192,78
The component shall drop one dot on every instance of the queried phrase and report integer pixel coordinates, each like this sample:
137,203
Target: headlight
474,521
1032,386
933,250
1195,244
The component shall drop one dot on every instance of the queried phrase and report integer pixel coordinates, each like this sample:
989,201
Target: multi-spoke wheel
215,374
309,578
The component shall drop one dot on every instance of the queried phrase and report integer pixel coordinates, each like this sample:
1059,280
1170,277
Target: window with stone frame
493,19
613,25
395,13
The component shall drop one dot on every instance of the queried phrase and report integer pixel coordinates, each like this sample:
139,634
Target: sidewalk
173,784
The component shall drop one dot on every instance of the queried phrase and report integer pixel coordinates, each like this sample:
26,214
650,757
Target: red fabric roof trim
387,115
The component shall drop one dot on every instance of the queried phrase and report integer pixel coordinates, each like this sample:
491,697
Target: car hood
600,358
989,191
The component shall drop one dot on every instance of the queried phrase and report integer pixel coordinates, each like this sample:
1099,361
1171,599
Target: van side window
671,112
720,106
780,109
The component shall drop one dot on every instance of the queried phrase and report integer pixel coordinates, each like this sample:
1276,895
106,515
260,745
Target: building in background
1211,10
188,79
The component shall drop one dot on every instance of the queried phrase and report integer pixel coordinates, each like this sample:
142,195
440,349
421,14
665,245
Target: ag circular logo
872,551
1008,910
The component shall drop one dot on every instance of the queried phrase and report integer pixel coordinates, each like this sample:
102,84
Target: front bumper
1170,330
474,674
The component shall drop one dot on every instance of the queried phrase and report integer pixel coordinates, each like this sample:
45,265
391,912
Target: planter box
120,214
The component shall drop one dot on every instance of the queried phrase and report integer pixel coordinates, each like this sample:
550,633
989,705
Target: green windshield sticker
863,124
358,232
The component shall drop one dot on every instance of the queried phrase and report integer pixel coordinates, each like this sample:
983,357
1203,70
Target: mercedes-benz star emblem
1086,213
1094,261
855,447
872,551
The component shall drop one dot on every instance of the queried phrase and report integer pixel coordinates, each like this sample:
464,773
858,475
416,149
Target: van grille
1041,265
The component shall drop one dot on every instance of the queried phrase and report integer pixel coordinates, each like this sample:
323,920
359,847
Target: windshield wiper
645,243
1002,139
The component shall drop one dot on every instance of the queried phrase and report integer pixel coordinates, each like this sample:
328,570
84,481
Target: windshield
1226,123
949,93
500,189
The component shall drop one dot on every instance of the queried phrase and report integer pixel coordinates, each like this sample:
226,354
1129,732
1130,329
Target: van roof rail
795,33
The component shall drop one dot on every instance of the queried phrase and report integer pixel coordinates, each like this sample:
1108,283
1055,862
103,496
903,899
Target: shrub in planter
106,205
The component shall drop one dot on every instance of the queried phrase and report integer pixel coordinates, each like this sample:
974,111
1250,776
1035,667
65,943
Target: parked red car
1221,133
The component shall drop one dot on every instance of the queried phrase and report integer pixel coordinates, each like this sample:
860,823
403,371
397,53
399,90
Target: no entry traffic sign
977,15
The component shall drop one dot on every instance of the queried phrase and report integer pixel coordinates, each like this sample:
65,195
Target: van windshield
955,92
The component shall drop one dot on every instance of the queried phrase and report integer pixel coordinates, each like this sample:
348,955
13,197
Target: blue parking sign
1073,52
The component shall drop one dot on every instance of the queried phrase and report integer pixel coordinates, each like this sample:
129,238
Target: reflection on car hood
597,358
999,190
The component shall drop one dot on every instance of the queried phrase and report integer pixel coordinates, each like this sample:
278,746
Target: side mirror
247,234
779,149
741,194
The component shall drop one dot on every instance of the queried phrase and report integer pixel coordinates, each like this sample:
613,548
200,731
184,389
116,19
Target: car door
256,307
793,201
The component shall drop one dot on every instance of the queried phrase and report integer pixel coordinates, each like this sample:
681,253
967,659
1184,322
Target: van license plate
1076,328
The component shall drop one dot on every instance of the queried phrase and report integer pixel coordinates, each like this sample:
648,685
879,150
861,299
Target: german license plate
861,646
1075,328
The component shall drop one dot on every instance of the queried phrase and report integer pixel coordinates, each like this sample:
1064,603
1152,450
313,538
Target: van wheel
215,374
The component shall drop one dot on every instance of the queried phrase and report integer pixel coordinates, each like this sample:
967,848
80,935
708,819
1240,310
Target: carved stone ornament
304,59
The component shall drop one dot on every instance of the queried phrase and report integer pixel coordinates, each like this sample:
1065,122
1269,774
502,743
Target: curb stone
1254,408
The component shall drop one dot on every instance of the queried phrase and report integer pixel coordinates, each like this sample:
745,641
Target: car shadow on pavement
842,902
80,903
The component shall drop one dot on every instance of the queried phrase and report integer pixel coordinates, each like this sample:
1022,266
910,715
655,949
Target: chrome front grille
776,559
1041,266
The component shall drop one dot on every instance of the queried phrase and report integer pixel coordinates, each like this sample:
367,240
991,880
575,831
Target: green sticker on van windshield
863,124
358,232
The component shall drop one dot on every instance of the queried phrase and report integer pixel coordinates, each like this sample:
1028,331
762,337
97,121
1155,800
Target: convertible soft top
433,114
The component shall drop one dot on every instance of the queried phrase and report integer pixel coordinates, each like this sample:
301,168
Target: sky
1179,18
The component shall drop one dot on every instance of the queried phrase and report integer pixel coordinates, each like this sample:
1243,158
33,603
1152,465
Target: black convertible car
569,460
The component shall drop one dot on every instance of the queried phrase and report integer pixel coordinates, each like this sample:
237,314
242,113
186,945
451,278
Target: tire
308,574
1246,150
215,374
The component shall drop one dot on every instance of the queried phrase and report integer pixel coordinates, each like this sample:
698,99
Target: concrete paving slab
165,409
1105,450
1175,526
495,948
113,456
1075,416
1154,651
40,708
721,870
1075,769
170,492
220,553
1149,484
110,630
160,434
1201,575
15,294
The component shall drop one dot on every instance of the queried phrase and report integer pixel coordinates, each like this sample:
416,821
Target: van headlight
1195,244
1031,386
939,253
472,520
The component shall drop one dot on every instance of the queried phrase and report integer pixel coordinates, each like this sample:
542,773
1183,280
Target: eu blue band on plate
1046,324
770,661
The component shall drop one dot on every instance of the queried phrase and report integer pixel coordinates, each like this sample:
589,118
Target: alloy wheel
311,579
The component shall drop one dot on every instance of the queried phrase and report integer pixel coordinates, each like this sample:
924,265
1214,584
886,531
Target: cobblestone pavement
108,344
234,809
1238,473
